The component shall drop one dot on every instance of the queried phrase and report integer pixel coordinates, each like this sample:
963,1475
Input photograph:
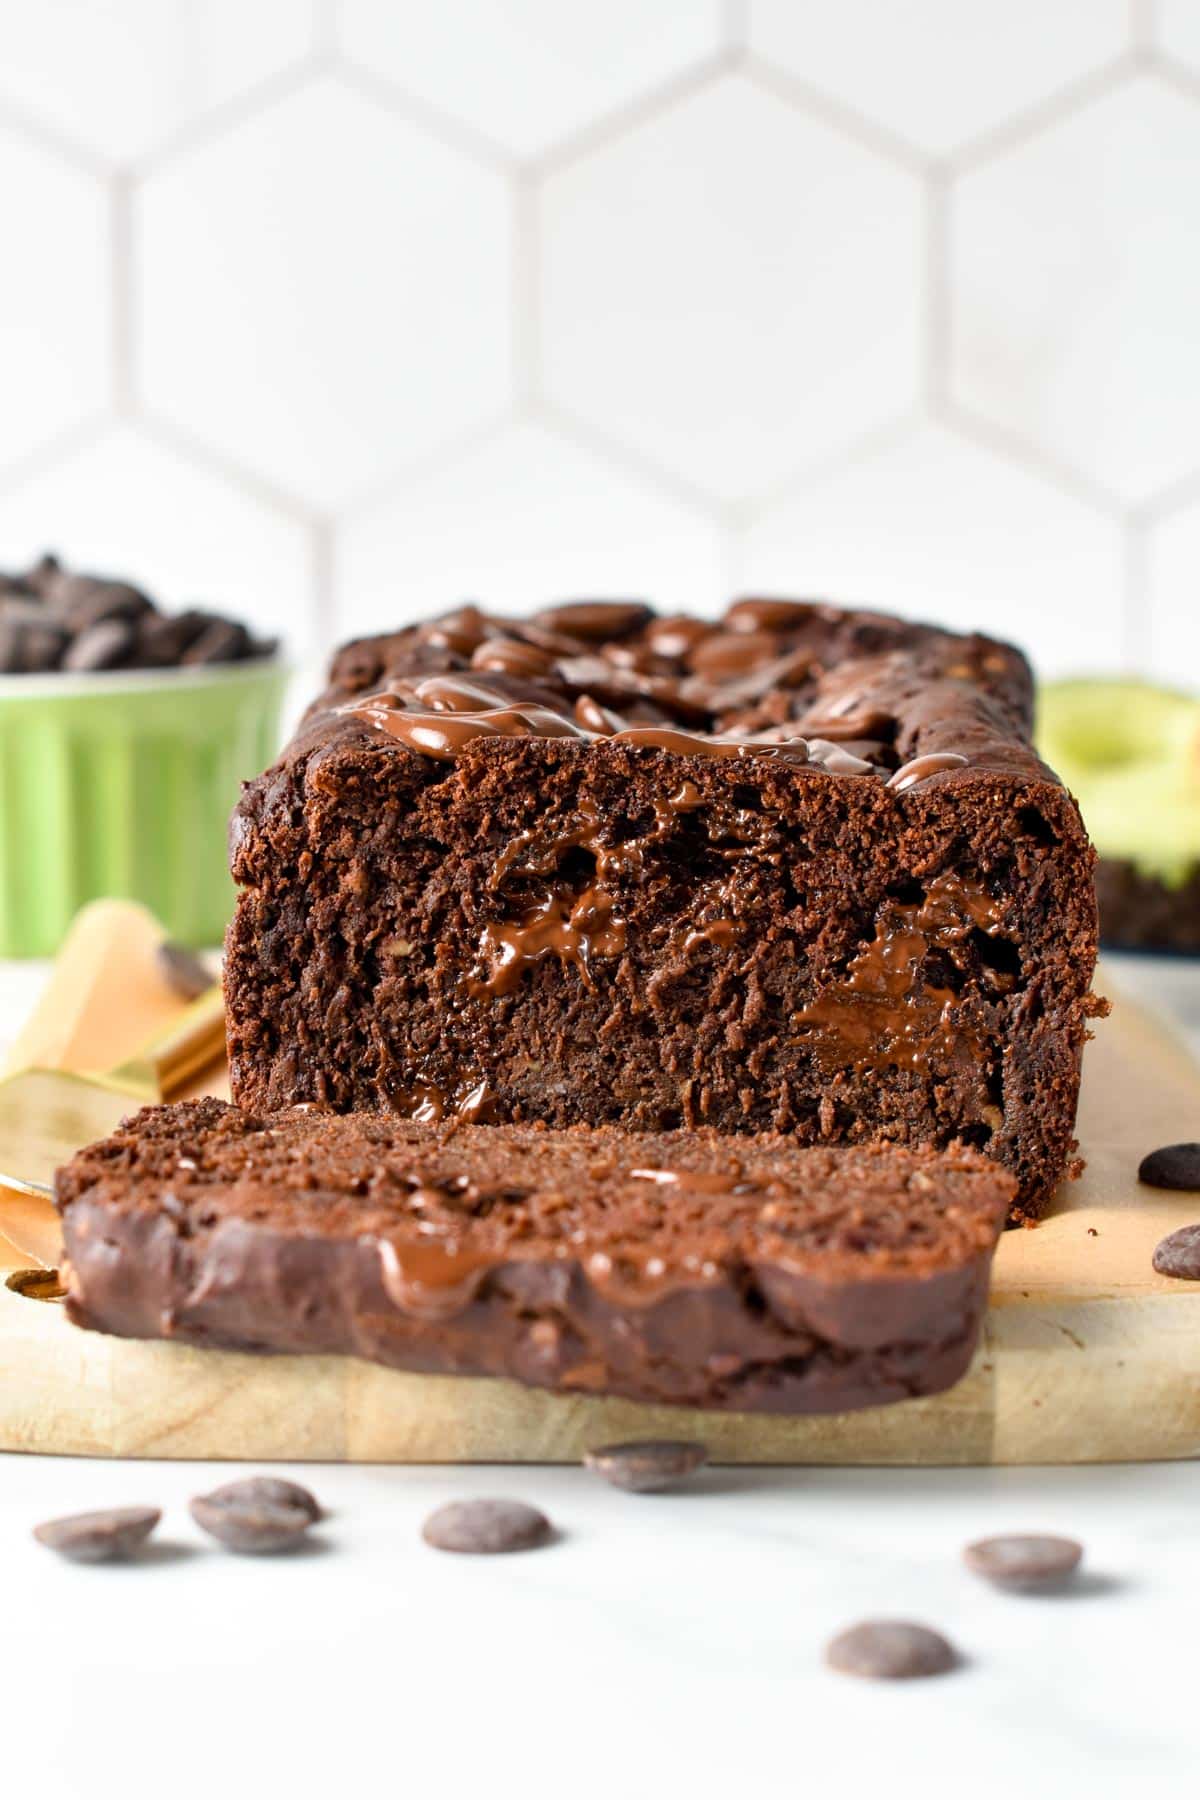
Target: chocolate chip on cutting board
93,1537
251,1489
890,1650
1024,1561
1179,1254
649,1467
183,971
1171,1166
251,1523
486,1527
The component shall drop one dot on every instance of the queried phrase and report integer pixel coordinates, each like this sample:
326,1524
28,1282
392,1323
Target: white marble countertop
666,1646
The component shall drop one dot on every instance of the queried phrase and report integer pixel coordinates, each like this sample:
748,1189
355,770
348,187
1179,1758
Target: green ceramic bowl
122,784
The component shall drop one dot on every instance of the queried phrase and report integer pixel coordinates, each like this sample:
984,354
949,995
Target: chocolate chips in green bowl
125,732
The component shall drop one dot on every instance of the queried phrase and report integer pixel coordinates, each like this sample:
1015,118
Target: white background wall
333,311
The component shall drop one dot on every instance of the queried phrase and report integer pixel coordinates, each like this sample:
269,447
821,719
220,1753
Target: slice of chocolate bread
684,1267
799,871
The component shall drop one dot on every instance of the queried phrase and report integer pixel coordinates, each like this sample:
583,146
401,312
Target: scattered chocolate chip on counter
890,1650
112,1535
245,1516
250,1490
52,618
1171,1166
182,970
1025,1561
649,1467
487,1527
1179,1254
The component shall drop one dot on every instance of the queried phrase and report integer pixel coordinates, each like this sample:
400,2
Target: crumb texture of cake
797,870
685,1268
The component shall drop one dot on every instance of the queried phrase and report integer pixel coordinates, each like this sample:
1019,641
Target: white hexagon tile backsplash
332,311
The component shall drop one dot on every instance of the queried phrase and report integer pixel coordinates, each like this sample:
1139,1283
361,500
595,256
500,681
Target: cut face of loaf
801,873
682,1268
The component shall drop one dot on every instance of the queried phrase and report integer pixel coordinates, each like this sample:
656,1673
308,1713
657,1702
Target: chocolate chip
725,653
768,615
184,973
486,1527
94,1537
1024,1561
101,646
251,1489
30,640
1172,1166
250,1522
221,641
1179,1254
676,634
162,641
81,601
40,577
648,1467
595,620
890,1650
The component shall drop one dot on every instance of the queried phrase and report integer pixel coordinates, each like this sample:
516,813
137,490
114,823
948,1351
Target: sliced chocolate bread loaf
798,871
686,1267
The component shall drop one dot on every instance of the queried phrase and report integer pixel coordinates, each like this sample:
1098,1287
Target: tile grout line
792,91
218,121
1143,24
192,449
936,278
1177,496
121,292
879,438
1184,82
452,133
323,597
427,466
59,449
631,462
526,292
735,25
326,36
733,560
1010,134
52,142
1136,621
642,110
1024,453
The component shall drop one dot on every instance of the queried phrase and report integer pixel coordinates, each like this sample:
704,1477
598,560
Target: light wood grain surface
1087,1355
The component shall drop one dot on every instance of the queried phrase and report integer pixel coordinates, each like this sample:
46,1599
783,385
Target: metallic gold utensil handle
194,1039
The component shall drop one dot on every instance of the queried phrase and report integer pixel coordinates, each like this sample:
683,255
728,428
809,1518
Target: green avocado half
1130,754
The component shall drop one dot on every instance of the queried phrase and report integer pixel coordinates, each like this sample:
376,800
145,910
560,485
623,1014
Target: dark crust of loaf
368,879
1140,912
786,1280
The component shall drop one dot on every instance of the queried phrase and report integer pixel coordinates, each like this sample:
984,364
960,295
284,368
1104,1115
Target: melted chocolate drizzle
758,683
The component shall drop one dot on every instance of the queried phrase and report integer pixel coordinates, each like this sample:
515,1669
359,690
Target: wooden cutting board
1087,1355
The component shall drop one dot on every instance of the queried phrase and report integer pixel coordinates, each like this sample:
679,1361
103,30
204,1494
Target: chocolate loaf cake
685,1267
1139,911
799,870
